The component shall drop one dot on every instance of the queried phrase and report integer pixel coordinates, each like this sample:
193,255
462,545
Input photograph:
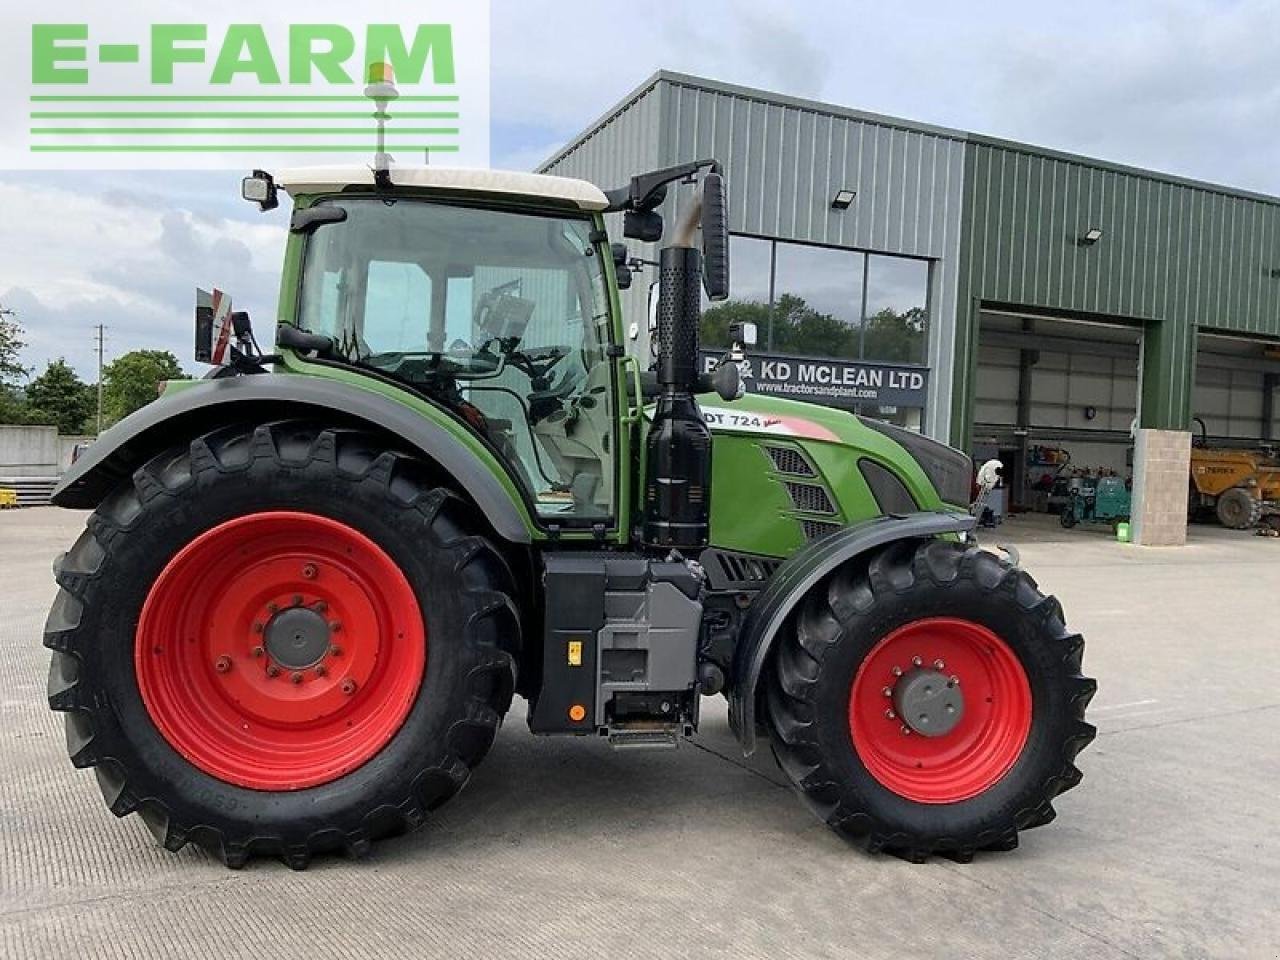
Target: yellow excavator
1241,486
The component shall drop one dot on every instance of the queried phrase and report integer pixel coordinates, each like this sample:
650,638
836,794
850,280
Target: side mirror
726,378
715,237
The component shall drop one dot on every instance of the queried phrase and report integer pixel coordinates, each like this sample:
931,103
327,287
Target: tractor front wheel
929,700
281,641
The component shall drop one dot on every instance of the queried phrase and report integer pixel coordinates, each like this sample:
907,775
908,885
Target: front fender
191,411
794,579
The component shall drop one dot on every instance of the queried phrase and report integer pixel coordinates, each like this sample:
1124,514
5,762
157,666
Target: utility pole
101,334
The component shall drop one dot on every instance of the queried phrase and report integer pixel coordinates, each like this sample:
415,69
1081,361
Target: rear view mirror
715,237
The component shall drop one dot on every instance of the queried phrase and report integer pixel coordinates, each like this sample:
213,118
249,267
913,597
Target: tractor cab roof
310,180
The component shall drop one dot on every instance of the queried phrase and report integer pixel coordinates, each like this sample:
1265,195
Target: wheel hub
297,638
899,722
280,650
928,701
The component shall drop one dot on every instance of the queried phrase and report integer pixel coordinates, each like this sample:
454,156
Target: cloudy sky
1184,86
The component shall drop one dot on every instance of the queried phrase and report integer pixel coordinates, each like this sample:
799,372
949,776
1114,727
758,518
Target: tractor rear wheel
1238,509
929,700
281,641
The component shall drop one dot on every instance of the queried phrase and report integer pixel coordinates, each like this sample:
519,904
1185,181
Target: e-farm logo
139,91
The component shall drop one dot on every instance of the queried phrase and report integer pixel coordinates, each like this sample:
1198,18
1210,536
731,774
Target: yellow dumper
1240,486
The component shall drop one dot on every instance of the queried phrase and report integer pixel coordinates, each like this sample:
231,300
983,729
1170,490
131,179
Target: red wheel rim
226,639
983,745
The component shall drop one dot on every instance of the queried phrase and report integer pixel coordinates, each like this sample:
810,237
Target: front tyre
281,641
929,700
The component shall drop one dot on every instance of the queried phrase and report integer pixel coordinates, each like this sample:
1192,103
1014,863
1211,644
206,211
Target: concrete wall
34,451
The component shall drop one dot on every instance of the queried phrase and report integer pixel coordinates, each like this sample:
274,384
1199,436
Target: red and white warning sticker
746,421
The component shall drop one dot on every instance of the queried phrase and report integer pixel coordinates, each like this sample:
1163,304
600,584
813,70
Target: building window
895,318
824,302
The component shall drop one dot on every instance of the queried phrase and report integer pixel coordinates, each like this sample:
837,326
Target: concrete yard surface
566,849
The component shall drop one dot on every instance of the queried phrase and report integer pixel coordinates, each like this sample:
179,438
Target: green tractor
314,580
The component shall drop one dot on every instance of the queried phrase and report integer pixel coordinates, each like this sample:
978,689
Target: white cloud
72,260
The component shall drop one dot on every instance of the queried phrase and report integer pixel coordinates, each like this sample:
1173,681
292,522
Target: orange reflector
577,713
381,73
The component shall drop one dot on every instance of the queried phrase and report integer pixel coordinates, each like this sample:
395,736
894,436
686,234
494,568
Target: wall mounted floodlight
842,199
1091,236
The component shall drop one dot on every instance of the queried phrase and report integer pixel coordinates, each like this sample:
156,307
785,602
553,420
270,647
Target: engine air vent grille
817,529
787,460
810,497
745,568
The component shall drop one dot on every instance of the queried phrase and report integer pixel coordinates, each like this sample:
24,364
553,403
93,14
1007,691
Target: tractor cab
490,295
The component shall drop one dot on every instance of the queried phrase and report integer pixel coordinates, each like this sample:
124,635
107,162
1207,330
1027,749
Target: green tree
133,380
896,337
796,326
11,344
61,396
13,406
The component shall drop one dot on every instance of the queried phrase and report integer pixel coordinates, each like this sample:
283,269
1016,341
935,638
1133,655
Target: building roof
816,106
587,196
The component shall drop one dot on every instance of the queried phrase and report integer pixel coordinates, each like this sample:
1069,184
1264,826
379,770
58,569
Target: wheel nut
348,686
222,664
889,714
939,665
273,670
887,691
954,681
296,676
335,650
309,571
258,628
273,607
320,670
916,661
297,599
906,731
319,606
258,651
335,626
896,671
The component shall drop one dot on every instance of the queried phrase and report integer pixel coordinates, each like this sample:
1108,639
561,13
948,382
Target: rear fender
794,579
191,411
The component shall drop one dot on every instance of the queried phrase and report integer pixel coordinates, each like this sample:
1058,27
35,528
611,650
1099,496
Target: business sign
152,84
836,383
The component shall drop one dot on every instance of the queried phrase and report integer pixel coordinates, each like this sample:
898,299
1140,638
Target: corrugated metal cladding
784,160
1173,255
999,222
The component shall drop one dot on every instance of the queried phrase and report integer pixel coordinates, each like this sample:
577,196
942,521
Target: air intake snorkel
677,493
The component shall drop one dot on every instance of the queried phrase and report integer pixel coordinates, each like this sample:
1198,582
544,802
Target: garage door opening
1055,402
1235,453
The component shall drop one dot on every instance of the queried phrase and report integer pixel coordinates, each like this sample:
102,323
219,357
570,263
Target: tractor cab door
503,317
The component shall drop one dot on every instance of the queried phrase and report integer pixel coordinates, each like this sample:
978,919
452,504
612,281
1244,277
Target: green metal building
1046,301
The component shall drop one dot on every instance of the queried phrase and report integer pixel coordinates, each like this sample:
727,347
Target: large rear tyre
1238,509
929,700
281,641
